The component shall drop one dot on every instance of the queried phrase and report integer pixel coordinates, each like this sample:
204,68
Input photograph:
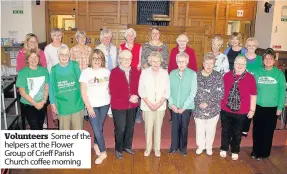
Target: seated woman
154,90
123,87
154,45
95,93
30,43
65,94
207,104
181,101
239,101
81,52
271,86
33,86
182,41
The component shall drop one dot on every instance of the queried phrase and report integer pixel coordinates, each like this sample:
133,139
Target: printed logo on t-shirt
96,80
36,87
267,80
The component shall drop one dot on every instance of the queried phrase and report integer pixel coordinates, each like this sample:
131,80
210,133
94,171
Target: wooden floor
178,164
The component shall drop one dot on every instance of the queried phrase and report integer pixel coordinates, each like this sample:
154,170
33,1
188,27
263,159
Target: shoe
97,150
100,159
198,151
119,155
157,153
183,152
244,134
171,151
146,152
110,115
170,120
139,120
258,159
252,155
234,156
130,151
209,152
222,154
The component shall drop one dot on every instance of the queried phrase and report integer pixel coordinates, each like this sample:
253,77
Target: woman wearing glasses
95,93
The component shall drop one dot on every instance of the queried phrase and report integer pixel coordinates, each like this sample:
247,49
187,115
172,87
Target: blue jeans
97,124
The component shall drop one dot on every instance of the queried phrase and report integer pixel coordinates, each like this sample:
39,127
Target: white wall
263,25
279,28
38,20
16,22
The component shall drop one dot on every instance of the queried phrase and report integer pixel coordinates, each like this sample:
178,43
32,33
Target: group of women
235,87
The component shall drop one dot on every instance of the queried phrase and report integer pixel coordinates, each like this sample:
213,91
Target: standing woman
95,93
235,48
254,63
182,41
65,95
33,86
123,86
210,91
134,48
221,60
239,101
154,90
154,45
30,43
181,101
51,50
81,52
271,85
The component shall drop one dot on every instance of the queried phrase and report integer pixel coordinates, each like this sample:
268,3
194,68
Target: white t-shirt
97,86
51,54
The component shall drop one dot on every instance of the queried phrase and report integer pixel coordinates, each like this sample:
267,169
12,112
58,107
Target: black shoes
119,155
183,152
244,134
130,151
171,151
252,155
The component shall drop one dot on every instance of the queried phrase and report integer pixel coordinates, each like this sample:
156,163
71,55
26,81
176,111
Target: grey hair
55,30
182,54
240,57
105,32
130,30
251,39
80,33
155,54
126,54
209,56
62,49
181,36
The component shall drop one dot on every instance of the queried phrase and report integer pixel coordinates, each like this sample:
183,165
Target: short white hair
80,33
105,32
209,56
251,39
55,30
130,30
155,54
184,55
63,49
125,54
240,57
183,36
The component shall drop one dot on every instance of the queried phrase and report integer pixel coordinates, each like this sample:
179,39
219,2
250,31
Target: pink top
21,59
81,56
247,87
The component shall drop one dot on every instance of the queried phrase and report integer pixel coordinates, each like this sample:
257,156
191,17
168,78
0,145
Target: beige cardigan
154,88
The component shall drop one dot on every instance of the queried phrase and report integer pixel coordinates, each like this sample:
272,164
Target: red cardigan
135,52
121,90
172,60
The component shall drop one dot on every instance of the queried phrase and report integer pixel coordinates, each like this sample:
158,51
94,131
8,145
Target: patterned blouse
148,48
81,56
209,90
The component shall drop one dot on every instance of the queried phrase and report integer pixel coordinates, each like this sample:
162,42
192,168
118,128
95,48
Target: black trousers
179,130
231,129
264,124
246,124
124,121
34,116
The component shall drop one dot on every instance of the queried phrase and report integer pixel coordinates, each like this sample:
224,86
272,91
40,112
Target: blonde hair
155,54
251,39
26,40
217,39
56,30
80,33
125,54
238,36
105,32
182,54
130,30
62,49
101,56
209,56
28,54
150,32
182,36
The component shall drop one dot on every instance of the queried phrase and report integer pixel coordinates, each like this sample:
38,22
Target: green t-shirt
253,65
33,81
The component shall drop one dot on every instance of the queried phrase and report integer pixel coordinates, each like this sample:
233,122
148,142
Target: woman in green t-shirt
65,94
33,85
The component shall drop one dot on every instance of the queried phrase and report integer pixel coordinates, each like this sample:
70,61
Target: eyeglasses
181,62
64,55
241,64
251,46
97,60
126,59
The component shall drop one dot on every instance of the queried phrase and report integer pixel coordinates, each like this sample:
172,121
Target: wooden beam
175,16
87,16
119,12
47,17
186,13
130,13
226,19
77,14
216,18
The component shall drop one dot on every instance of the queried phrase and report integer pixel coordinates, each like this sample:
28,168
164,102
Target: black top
231,57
